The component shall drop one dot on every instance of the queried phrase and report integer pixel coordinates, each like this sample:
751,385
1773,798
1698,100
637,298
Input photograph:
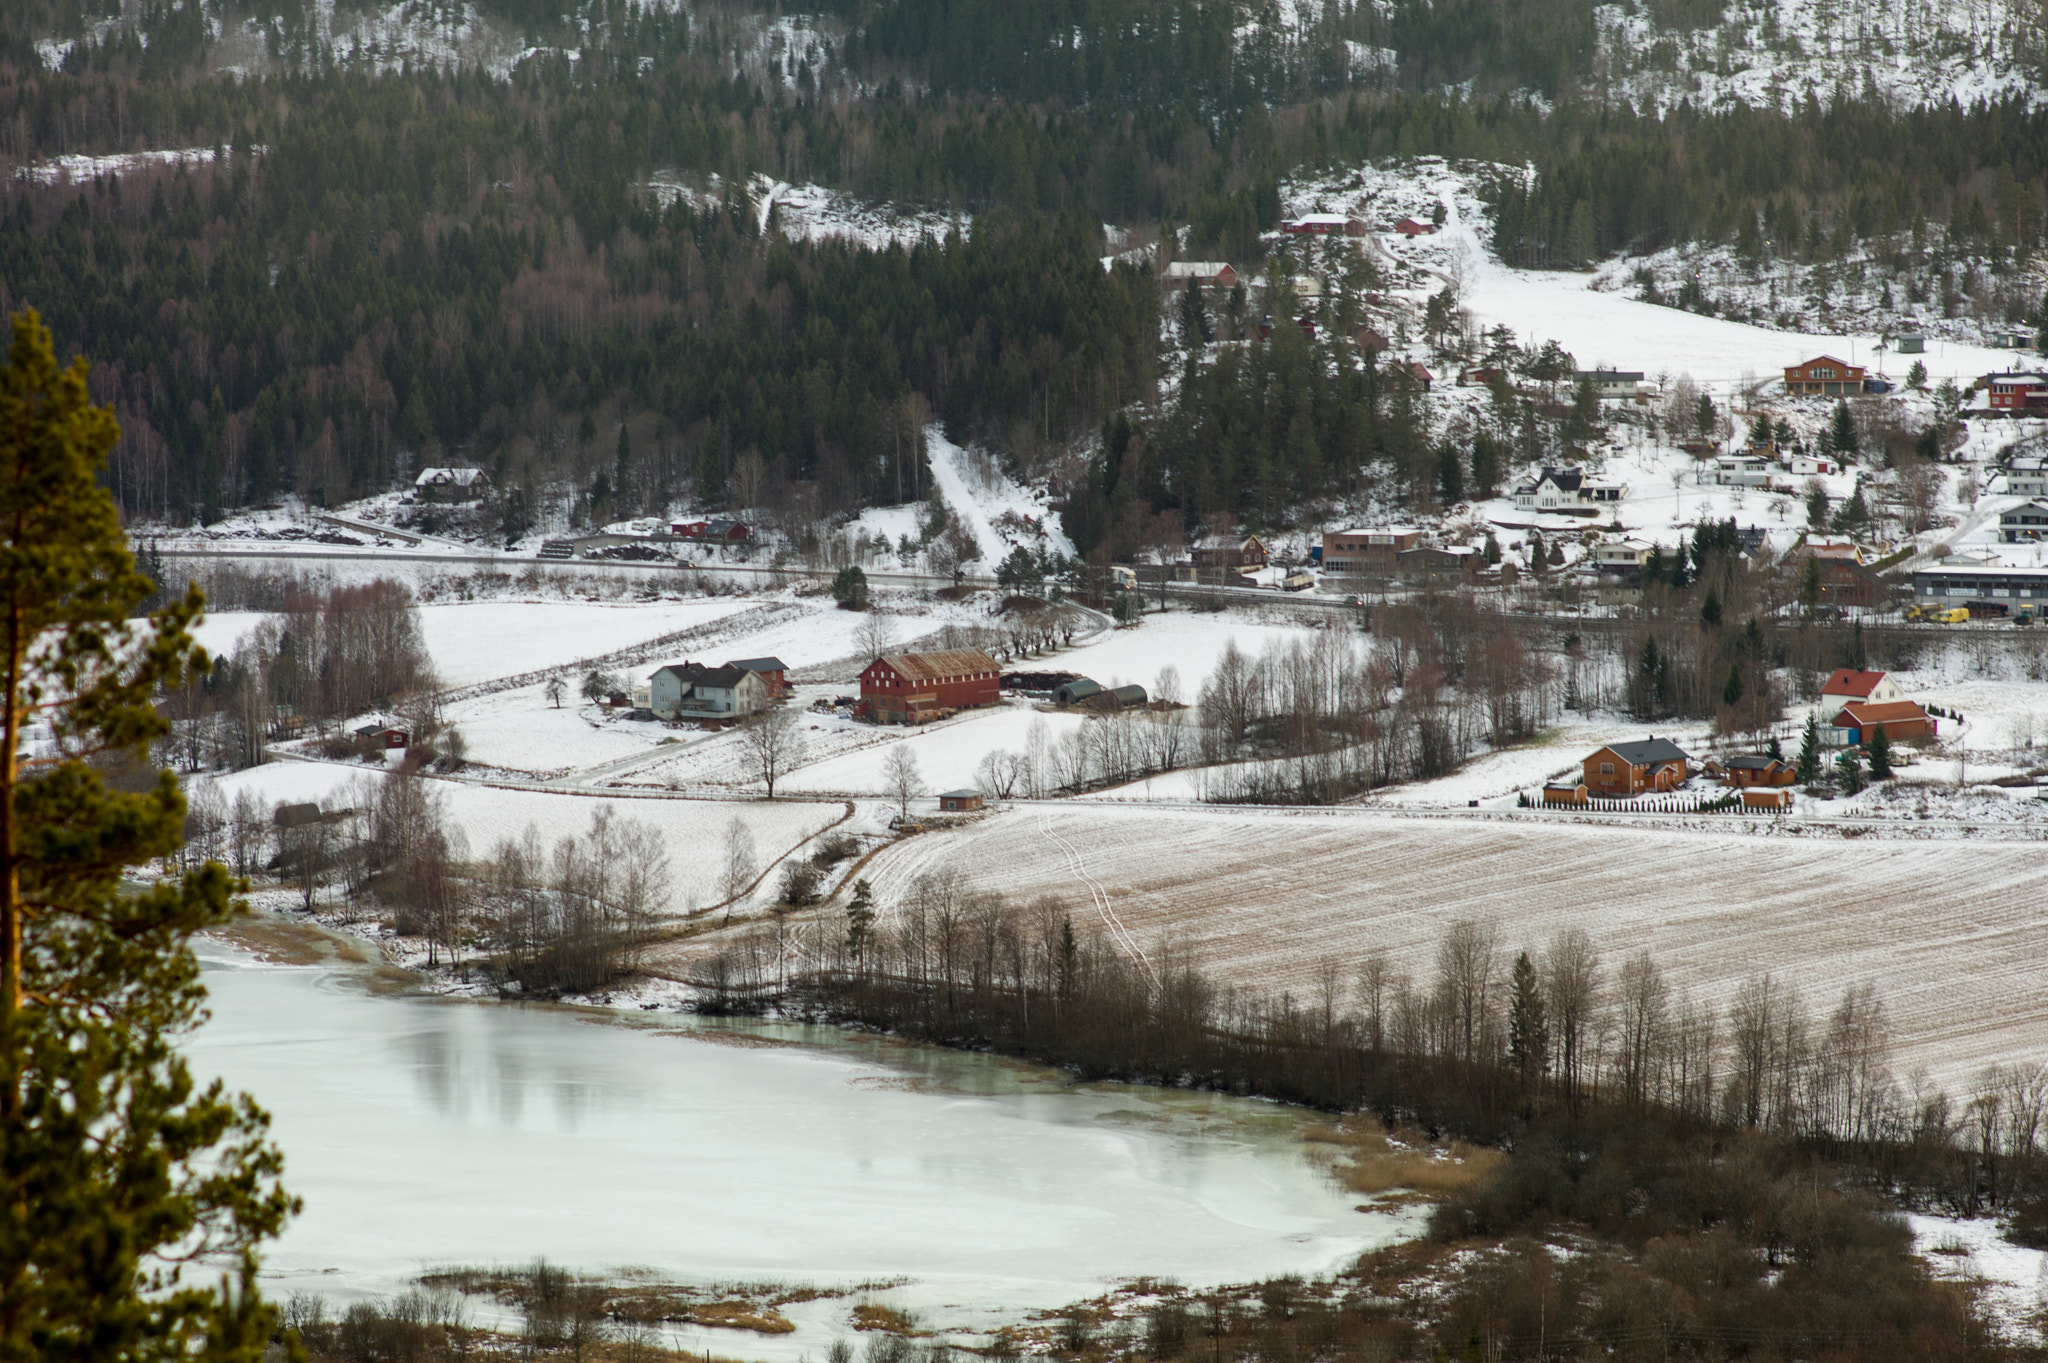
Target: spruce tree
1809,584
860,918
1880,747
1450,476
114,1163
1194,318
1842,434
1849,771
1528,1027
1731,690
1807,769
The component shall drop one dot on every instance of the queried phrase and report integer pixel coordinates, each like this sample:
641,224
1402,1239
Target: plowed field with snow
1954,934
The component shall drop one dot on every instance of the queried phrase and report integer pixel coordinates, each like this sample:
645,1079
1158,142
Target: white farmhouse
2027,476
1614,385
1742,470
1565,489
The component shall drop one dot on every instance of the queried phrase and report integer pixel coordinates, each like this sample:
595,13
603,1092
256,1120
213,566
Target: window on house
1607,769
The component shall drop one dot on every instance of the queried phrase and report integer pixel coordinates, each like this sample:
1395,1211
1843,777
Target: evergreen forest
559,270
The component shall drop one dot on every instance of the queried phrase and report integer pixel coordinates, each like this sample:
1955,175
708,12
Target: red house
1408,227
718,530
2017,394
1845,684
1323,225
910,688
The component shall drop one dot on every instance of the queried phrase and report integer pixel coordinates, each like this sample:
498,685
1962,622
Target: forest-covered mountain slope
312,246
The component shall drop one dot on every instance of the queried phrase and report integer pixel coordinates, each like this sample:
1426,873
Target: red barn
1408,227
910,688
720,530
1899,719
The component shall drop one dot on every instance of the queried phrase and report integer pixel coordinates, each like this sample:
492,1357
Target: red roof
1864,714
1847,681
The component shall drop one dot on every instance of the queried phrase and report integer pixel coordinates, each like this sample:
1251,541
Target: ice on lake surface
423,1132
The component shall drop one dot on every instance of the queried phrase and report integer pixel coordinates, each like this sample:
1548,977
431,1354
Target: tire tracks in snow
1117,931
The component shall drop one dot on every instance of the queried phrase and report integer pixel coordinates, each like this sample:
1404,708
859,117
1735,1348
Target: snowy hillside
1591,316
1771,53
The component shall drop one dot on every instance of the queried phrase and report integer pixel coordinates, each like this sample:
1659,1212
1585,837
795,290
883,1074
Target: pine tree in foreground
131,1201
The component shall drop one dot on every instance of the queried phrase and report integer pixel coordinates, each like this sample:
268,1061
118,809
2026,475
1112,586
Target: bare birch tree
775,744
901,781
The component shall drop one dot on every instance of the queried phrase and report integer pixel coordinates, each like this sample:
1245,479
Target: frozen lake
423,1132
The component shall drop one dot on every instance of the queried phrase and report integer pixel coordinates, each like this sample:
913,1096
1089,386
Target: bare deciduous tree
740,867
1571,982
901,781
1466,970
775,744
999,773
875,636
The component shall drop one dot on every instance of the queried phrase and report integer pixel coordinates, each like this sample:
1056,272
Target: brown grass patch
741,1040
280,941
869,1315
1366,1157
389,979
739,1315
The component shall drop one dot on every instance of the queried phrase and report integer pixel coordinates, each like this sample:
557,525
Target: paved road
1308,604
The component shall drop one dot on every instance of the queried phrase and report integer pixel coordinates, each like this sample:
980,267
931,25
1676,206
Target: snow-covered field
476,641
1950,932
693,830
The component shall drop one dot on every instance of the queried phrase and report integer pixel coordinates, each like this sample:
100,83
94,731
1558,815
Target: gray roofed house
1646,766
772,670
1076,691
1648,751
1614,383
693,689
726,691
